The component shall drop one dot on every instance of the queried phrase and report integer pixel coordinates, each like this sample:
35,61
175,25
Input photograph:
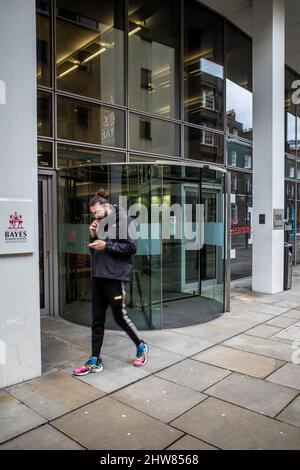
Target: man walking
111,268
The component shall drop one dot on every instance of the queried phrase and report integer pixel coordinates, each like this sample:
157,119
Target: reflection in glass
43,32
45,157
203,66
297,241
290,115
241,225
88,122
204,145
239,84
290,212
239,153
154,135
70,155
290,166
44,114
90,48
154,56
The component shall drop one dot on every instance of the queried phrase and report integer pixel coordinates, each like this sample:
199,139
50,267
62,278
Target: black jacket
116,260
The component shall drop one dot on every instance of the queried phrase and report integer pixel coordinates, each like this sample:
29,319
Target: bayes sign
16,226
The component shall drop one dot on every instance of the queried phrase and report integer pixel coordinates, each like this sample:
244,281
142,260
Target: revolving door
179,213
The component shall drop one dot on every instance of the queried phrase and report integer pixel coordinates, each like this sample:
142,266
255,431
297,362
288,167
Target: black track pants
111,292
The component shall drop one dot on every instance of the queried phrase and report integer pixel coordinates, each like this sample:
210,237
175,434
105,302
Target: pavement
233,383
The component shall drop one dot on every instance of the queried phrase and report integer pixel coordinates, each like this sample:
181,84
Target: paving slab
255,318
288,375
292,333
261,346
116,375
234,322
239,361
190,443
110,425
55,394
194,374
159,398
43,438
158,358
264,331
216,334
16,418
288,303
254,394
293,314
259,307
282,322
178,342
230,427
291,414
56,352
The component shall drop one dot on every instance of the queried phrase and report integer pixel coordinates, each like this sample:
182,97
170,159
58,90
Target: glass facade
203,67
140,81
90,49
154,56
292,166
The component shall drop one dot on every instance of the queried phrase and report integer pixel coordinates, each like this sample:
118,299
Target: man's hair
101,196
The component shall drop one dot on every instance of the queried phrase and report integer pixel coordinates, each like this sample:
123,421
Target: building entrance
179,268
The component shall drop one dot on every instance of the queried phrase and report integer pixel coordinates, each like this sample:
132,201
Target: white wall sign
16,226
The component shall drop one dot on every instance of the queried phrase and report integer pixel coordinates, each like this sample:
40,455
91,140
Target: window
290,115
154,135
241,224
83,117
248,162
203,66
207,138
234,183
208,99
239,153
44,114
88,122
146,79
145,130
239,83
43,53
90,48
154,35
45,155
70,155
290,168
204,145
233,158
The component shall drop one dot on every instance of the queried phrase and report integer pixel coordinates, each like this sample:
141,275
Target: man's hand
98,245
93,228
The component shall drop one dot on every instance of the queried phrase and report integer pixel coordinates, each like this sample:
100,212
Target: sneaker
141,355
93,365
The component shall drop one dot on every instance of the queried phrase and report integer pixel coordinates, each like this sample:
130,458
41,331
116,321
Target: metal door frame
48,179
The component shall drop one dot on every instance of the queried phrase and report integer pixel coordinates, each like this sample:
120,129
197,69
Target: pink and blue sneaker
92,365
142,352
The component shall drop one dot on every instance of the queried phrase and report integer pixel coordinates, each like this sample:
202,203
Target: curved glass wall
179,211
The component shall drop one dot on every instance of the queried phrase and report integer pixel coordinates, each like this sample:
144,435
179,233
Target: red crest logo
15,221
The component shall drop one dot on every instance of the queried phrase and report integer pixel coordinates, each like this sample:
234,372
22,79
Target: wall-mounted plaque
16,226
